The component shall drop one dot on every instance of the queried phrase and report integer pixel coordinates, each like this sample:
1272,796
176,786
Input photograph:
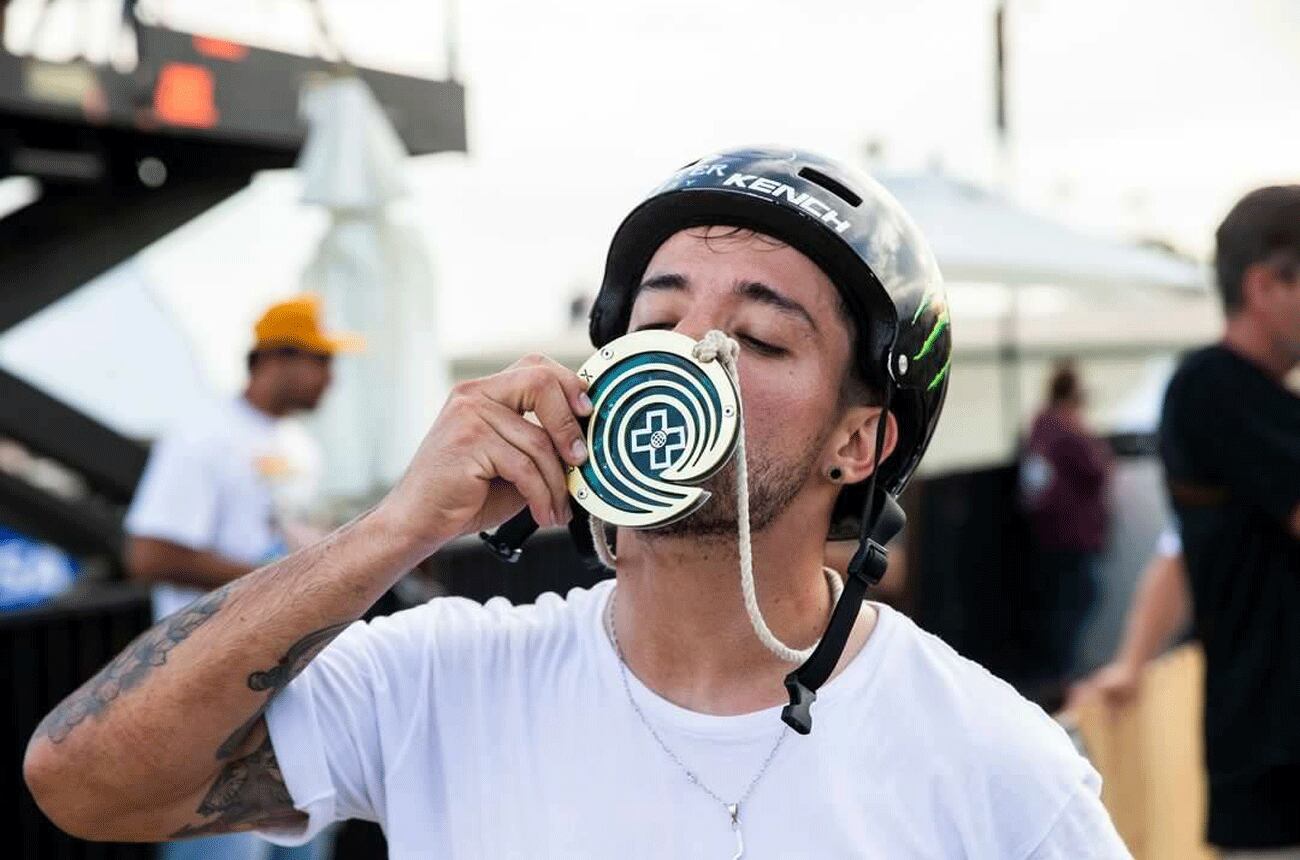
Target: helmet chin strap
882,518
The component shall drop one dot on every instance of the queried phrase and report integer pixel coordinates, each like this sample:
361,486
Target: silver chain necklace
733,809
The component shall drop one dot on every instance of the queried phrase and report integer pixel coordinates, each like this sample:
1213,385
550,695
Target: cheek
785,402
1285,314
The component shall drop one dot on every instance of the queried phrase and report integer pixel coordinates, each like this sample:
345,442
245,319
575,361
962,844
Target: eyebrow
665,282
755,291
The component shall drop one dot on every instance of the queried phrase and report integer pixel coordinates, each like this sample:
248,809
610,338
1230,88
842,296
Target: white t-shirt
212,484
494,731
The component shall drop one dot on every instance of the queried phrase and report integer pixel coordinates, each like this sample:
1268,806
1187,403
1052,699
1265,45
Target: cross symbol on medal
659,439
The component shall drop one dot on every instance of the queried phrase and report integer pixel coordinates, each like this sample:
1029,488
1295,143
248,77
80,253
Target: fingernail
579,450
584,402
550,518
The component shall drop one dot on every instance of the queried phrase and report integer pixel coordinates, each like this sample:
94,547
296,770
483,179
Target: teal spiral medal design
661,422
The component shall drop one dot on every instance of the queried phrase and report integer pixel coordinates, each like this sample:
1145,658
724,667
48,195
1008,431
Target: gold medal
662,422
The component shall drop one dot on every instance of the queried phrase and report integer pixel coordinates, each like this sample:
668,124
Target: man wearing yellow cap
210,506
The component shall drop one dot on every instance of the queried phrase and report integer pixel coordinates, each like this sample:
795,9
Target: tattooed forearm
130,667
277,677
302,652
249,793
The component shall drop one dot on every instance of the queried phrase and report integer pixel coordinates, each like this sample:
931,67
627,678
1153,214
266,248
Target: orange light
184,96
220,49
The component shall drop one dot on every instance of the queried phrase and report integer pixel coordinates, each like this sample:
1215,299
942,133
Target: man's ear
856,435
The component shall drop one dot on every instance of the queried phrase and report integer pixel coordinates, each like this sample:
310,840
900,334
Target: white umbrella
375,277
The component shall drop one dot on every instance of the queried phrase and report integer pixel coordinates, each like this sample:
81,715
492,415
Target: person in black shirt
1230,441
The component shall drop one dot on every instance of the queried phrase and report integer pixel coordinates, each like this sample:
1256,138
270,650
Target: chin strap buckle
508,554
798,714
507,542
869,563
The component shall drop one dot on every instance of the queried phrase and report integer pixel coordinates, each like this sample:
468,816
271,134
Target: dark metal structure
125,158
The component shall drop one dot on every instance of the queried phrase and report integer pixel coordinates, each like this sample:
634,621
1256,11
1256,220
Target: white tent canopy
979,236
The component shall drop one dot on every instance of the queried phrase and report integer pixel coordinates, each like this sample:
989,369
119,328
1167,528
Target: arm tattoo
277,677
299,654
249,793
129,669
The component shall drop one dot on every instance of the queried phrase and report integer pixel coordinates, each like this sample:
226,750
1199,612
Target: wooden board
1149,754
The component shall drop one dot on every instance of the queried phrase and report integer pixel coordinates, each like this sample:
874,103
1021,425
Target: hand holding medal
664,419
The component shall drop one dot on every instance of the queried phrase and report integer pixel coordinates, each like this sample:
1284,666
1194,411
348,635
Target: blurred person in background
1064,477
1230,441
218,493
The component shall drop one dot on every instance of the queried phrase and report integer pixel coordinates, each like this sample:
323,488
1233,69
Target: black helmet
857,233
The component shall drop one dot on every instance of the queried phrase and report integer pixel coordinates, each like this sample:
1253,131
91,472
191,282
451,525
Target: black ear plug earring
835,473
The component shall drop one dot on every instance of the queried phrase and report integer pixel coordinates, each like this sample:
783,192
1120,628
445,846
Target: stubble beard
773,484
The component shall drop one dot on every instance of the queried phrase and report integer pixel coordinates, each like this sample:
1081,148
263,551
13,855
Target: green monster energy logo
932,295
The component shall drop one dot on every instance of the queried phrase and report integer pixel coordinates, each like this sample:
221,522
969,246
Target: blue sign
32,572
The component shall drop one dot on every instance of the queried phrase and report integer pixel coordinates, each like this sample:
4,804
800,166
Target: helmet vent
830,185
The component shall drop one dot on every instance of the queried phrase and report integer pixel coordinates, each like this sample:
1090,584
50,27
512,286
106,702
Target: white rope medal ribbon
667,415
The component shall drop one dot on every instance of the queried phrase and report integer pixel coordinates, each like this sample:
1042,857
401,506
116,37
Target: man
214,500
206,508
1064,480
638,718
1230,440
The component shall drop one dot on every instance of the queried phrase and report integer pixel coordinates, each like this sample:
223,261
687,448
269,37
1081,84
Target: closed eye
761,347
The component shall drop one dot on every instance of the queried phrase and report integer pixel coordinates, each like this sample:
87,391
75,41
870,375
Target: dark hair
1263,224
1064,384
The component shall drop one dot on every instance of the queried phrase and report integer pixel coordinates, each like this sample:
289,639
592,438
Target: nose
701,319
